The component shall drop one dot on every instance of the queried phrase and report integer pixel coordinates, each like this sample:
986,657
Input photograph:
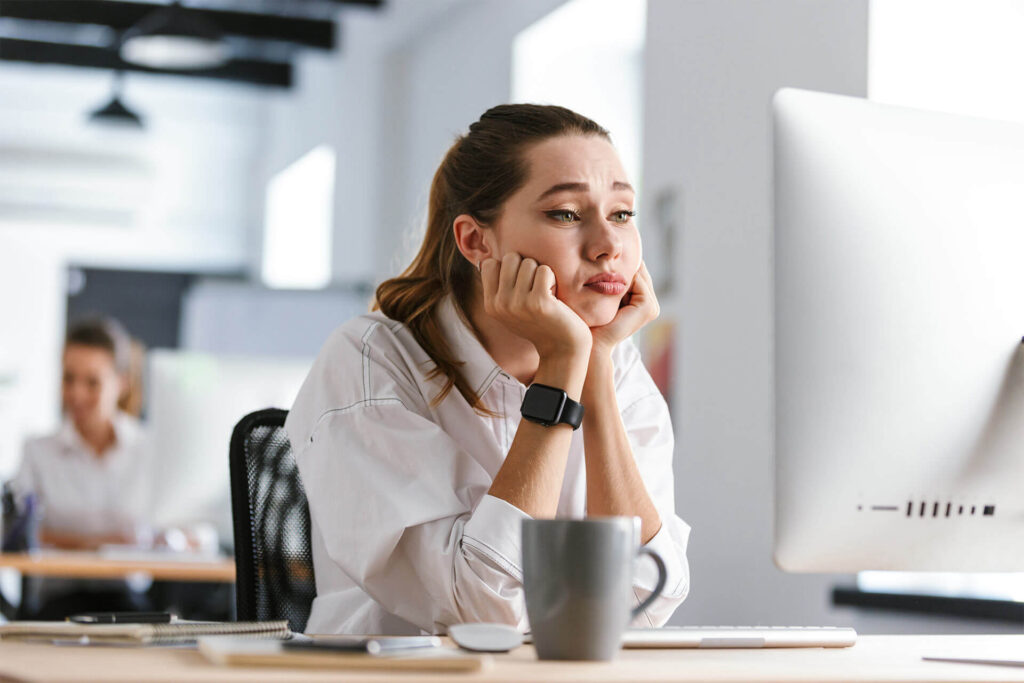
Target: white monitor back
899,312
194,402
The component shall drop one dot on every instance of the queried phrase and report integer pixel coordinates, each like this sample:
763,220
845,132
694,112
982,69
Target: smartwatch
550,406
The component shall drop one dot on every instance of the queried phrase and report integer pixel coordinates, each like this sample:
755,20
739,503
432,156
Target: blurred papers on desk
231,652
140,634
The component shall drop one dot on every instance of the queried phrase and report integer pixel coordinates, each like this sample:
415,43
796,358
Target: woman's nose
604,242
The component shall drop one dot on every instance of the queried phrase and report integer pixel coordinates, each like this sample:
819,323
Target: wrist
601,352
600,376
568,373
566,350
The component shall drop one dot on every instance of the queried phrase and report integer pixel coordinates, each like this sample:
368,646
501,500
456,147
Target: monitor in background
194,402
899,315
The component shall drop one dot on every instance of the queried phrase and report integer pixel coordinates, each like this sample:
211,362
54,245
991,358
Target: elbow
482,592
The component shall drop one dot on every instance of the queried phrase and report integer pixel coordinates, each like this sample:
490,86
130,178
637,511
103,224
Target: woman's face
91,384
575,215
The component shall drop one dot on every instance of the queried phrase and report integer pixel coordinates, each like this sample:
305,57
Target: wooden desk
94,566
874,659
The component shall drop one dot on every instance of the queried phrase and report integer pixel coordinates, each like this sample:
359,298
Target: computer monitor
194,400
899,315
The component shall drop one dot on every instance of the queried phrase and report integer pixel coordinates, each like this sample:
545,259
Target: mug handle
662,578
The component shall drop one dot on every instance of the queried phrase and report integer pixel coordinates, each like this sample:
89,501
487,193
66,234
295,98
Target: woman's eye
563,216
623,216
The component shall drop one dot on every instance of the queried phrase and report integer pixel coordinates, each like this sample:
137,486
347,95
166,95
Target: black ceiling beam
251,71
120,16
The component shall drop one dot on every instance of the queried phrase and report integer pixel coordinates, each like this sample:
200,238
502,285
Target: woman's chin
598,316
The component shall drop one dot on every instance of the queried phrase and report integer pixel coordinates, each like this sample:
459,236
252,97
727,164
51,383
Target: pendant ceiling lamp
174,38
114,112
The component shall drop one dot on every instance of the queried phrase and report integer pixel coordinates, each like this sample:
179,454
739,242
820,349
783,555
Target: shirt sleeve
649,430
404,512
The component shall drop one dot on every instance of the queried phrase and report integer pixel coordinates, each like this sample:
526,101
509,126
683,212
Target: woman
90,479
528,284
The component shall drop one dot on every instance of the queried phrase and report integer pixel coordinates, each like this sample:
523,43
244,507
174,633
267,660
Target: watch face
543,403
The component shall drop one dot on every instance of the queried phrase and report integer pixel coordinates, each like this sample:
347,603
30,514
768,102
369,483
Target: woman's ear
475,241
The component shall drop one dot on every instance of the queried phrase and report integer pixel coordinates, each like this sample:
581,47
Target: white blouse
405,536
78,492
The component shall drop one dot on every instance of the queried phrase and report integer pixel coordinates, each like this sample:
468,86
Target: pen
123,618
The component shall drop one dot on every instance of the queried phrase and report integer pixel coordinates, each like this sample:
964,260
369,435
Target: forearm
531,476
614,484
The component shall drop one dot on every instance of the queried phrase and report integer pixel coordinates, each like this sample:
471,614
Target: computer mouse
486,637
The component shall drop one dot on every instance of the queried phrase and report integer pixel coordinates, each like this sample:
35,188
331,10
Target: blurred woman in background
90,479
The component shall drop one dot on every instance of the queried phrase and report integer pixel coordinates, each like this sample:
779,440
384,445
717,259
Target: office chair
273,553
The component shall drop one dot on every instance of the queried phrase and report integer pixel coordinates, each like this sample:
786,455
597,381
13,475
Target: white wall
711,69
32,297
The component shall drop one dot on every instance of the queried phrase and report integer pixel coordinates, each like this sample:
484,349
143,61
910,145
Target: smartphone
123,618
373,645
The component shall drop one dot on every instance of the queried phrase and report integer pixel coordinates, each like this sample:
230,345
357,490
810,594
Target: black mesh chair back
273,554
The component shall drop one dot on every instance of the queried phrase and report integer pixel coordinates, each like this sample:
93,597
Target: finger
640,287
544,281
646,275
524,280
641,283
509,270
649,297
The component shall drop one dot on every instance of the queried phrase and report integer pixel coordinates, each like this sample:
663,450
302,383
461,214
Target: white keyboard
739,637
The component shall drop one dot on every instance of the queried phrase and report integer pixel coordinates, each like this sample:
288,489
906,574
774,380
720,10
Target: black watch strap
572,413
550,406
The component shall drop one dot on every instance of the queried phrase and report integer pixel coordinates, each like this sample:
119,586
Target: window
299,223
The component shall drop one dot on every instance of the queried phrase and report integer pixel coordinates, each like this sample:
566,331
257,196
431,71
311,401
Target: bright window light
298,227
587,55
948,55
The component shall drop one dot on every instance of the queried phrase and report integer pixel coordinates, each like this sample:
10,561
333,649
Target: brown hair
109,335
480,171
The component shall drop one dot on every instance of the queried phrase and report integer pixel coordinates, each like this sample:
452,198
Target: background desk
94,566
874,658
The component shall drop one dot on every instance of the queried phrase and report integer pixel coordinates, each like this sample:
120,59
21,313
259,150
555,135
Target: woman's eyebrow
581,187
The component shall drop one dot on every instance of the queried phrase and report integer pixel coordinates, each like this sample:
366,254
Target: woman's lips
607,287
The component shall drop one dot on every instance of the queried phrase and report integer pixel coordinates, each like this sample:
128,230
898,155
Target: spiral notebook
141,634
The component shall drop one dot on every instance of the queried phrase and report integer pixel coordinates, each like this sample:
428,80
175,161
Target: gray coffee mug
578,578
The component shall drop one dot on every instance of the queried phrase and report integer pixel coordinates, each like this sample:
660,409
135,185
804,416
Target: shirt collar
73,442
478,367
